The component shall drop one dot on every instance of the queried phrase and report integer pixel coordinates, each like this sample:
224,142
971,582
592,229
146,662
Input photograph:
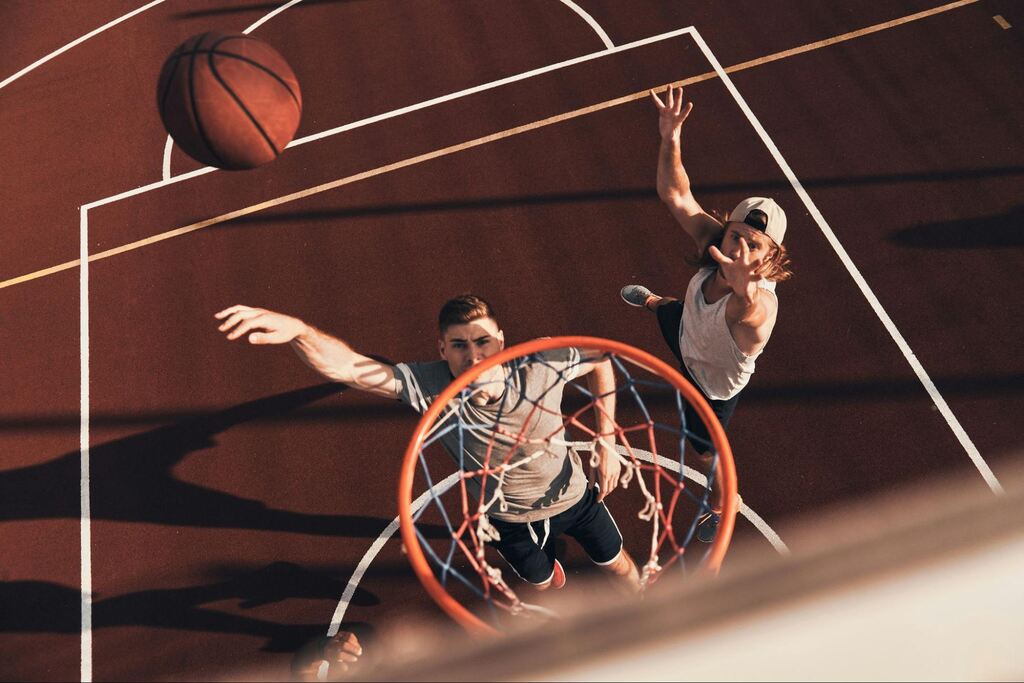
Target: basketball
229,100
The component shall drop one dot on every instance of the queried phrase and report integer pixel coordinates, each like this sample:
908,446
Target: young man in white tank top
722,325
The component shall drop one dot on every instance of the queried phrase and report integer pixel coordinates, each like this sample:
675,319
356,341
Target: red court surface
232,493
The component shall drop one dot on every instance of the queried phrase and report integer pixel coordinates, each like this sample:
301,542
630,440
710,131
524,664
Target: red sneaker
558,579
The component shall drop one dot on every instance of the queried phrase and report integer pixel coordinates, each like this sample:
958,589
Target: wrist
305,334
747,293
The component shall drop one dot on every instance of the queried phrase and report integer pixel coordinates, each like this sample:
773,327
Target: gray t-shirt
547,477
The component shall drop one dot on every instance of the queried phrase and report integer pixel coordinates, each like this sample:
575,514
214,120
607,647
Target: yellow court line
476,143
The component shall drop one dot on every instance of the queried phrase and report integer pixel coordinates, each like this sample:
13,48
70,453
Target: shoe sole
630,303
558,580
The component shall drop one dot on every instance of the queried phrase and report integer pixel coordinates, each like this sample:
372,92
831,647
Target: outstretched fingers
343,649
231,310
685,112
718,255
242,313
246,326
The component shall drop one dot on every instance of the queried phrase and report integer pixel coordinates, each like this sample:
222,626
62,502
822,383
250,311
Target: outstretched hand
742,273
329,658
672,112
262,326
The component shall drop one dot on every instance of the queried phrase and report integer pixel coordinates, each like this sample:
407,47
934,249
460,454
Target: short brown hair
775,266
463,309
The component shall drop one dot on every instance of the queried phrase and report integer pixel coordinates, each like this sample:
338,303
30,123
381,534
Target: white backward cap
761,213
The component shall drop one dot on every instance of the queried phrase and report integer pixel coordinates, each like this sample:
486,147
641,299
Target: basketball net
450,553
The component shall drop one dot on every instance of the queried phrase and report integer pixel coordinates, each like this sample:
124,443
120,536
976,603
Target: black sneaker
707,527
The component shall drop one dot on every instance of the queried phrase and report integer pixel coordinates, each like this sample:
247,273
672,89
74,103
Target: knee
622,565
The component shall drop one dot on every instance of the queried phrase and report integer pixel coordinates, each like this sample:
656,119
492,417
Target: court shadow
44,607
482,203
132,480
616,194
264,7
998,231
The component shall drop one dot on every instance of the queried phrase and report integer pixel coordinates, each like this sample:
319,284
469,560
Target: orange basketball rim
724,475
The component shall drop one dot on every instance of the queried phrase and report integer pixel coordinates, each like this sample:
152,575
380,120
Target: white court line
166,166
441,487
85,503
876,305
591,21
270,15
166,170
87,36
493,84
346,597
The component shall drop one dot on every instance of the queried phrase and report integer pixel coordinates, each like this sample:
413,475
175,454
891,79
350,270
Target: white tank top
708,349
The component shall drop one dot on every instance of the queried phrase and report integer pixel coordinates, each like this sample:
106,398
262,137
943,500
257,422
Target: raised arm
328,355
673,181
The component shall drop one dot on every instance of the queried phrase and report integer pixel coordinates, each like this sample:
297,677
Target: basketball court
176,506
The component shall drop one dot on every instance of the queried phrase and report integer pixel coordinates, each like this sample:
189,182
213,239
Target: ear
501,339
440,349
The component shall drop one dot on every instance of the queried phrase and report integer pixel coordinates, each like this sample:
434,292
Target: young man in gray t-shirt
545,494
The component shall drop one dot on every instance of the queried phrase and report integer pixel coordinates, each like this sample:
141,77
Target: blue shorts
529,547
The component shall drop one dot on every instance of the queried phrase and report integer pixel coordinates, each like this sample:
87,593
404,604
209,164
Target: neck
717,286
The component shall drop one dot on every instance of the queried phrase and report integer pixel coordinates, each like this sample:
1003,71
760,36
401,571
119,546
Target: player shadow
998,231
45,607
132,480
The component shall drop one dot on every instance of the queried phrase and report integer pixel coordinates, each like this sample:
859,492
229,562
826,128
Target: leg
624,570
699,448
533,564
641,297
595,529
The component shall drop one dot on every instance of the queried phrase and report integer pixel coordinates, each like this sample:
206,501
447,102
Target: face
463,346
759,244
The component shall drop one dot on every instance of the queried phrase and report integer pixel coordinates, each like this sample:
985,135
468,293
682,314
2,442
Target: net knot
627,474
486,532
650,571
650,509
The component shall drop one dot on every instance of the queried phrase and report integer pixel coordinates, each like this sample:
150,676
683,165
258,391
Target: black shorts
670,315
532,555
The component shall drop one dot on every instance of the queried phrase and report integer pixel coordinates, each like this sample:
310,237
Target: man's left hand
742,273
609,467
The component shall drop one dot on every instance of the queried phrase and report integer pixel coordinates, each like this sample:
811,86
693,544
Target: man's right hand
262,326
671,113
327,658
